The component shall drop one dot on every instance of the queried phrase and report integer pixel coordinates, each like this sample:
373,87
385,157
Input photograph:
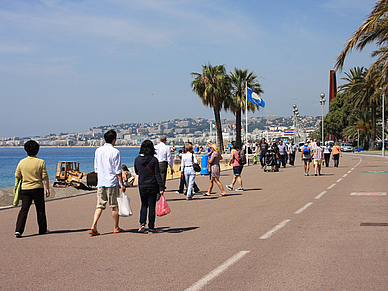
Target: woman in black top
150,184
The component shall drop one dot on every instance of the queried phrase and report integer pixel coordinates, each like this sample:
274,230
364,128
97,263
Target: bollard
204,160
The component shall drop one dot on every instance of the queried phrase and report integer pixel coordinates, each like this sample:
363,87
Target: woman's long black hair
147,148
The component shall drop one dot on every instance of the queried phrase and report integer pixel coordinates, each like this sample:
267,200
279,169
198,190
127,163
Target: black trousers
292,158
36,195
163,172
282,160
183,183
327,159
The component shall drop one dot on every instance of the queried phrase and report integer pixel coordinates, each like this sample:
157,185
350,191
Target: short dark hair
31,147
318,143
110,136
147,148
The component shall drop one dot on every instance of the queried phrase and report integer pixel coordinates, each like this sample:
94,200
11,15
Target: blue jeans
148,200
189,177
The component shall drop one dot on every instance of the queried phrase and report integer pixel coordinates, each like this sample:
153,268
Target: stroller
271,161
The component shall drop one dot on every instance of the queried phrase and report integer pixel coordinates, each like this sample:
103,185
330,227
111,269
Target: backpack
242,160
306,150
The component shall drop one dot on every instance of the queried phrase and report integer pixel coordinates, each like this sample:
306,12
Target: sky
67,66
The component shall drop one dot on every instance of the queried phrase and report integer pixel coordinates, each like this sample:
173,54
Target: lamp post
294,110
383,125
322,101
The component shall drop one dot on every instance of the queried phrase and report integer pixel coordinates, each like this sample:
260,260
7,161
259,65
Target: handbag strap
150,169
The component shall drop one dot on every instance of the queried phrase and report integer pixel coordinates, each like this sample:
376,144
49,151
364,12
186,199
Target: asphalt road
284,232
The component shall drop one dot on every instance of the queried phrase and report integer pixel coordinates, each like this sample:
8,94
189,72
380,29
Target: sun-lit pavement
285,232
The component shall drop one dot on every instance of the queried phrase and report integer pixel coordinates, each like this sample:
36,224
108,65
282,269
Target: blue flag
254,98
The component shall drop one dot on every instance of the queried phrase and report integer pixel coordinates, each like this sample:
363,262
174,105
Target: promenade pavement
284,232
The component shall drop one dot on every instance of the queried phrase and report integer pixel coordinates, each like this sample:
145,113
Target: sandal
119,230
94,232
223,194
206,194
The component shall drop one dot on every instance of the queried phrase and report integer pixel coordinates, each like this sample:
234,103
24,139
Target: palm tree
236,102
373,29
362,126
362,90
212,86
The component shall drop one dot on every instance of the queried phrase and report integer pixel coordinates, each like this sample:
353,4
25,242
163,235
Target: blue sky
66,66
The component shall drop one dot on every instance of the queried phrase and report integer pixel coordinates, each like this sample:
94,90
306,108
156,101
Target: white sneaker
141,228
239,189
229,187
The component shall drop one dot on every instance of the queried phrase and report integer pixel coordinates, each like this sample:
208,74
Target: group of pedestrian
312,151
284,152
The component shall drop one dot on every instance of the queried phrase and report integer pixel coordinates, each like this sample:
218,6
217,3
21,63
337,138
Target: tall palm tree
212,86
236,101
361,88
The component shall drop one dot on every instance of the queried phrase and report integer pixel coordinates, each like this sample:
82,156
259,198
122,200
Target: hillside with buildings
196,130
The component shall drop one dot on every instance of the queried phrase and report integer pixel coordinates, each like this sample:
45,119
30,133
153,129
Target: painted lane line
216,272
339,180
349,172
331,186
352,169
275,229
303,208
344,175
319,196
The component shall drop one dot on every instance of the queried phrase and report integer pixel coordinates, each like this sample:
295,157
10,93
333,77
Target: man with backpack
237,160
306,157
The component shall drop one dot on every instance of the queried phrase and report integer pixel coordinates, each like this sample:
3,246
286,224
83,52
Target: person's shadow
168,229
59,232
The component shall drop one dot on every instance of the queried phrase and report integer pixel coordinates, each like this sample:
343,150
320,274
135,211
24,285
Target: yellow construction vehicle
68,174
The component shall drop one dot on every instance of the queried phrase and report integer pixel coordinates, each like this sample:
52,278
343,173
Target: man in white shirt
164,156
107,165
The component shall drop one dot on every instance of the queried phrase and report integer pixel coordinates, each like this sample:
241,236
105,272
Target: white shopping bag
124,205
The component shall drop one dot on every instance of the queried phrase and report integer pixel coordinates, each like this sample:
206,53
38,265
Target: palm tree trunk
238,128
217,117
373,131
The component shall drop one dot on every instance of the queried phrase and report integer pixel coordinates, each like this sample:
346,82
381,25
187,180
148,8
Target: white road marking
349,172
304,208
216,272
275,229
319,196
344,175
331,186
352,169
339,180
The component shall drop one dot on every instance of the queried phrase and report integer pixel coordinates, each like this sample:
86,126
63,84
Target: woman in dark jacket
150,184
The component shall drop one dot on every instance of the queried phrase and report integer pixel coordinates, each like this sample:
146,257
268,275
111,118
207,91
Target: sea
10,157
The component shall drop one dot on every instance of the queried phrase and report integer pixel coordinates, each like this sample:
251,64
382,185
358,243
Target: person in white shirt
107,165
187,169
164,156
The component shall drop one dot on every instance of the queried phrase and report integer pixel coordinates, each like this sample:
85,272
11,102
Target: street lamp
322,101
383,151
294,110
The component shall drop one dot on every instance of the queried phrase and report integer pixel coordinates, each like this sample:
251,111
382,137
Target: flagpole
246,120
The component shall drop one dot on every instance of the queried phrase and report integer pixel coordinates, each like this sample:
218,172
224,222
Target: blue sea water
10,157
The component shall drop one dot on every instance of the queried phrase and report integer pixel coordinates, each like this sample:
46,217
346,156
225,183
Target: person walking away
128,178
214,169
107,165
33,174
292,153
188,158
283,153
237,167
318,157
263,150
182,182
306,158
327,153
336,154
150,185
164,156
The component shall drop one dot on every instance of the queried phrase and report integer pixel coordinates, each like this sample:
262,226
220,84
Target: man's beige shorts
317,162
105,194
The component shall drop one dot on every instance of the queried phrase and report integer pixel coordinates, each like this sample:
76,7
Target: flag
213,125
254,98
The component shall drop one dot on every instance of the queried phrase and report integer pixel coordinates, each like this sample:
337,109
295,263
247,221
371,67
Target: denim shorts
237,170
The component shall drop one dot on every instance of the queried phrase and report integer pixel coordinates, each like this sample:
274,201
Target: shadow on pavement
59,232
167,229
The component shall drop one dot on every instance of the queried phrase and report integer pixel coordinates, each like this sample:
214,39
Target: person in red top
237,168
